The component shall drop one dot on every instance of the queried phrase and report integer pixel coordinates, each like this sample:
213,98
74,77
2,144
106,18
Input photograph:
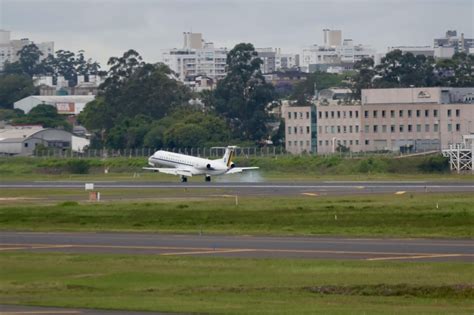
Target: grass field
271,168
409,215
235,286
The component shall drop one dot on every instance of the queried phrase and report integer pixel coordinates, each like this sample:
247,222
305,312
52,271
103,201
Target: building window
350,142
25,144
338,129
427,113
435,113
327,142
320,129
301,143
435,127
289,130
392,114
301,130
307,143
392,128
427,128
295,129
344,142
350,129
401,128
326,114
375,128
320,143
333,130
326,129
307,115
410,129
449,113
409,113
344,114
295,143
301,115
338,114
383,114
289,143
418,128
384,128
344,129
374,113
332,114
357,128
418,113
367,142
400,113
320,115
307,129
357,142
295,115
366,113
357,114
458,127
350,114
458,112
366,128
289,115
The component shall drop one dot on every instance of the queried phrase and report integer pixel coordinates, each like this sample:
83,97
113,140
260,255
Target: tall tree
365,73
242,96
14,87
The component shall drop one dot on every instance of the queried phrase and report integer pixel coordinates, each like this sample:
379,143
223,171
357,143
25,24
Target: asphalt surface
241,246
264,188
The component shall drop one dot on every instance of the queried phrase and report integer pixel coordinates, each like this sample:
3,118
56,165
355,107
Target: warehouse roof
14,134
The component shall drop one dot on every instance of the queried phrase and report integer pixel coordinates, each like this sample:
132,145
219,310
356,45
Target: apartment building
9,48
196,58
404,120
274,60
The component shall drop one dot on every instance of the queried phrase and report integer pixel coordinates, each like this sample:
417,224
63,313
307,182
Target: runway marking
217,251
310,194
418,257
201,250
400,192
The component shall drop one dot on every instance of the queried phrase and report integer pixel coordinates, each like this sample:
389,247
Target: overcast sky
105,28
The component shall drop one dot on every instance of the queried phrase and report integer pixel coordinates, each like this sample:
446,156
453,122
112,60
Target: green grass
235,286
409,215
271,168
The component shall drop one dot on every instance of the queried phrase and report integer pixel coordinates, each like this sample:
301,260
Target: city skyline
110,27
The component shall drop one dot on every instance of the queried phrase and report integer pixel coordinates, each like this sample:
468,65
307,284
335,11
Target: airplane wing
240,169
171,171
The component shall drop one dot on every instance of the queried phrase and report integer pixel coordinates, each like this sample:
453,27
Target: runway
240,246
263,188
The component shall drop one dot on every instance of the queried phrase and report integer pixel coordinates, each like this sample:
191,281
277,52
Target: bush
433,164
78,166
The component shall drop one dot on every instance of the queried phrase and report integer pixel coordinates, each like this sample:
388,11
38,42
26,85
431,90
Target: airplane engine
232,165
209,167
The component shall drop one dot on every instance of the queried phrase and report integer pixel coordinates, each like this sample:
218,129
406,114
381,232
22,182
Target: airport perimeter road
241,246
264,188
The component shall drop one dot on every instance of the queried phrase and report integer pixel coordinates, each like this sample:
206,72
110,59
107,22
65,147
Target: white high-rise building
274,60
197,57
9,48
333,54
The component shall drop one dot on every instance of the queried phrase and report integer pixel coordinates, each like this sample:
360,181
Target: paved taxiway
241,246
263,188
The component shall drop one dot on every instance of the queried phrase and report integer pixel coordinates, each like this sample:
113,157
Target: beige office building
402,119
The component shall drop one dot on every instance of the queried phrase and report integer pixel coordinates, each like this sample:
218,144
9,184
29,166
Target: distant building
426,51
399,119
274,60
23,140
61,86
9,48
458,43
197,57
200,83
333,53
66,105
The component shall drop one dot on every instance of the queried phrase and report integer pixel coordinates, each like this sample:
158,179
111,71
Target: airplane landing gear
184,179
208,178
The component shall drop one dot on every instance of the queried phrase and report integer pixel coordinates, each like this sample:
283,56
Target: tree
304,91
14,87
241,97
29,58
365,73
45,115
457,71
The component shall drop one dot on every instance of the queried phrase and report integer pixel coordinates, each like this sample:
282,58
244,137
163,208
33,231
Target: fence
212,153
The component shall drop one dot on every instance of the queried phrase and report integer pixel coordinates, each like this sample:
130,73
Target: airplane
187,166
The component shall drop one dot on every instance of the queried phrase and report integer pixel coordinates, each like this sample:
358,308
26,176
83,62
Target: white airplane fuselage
195,165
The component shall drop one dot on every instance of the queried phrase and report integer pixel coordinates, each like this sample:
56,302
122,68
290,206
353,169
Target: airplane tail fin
229,155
